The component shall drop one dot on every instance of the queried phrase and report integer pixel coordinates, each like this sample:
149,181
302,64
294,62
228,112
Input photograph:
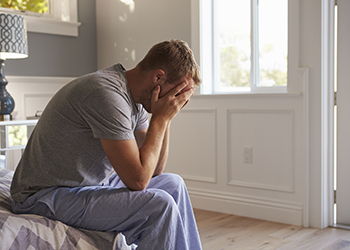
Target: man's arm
163,157
140,136
136,166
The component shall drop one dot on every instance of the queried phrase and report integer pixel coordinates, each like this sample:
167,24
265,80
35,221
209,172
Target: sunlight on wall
130,3
123,18
132,53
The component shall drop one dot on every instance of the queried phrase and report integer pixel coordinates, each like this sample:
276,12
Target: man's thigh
94,208
111,207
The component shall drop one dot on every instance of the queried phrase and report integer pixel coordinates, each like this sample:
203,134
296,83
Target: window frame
202,41
63,19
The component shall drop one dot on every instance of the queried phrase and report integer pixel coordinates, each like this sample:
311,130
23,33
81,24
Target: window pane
233,42
17,135
39,6
273,42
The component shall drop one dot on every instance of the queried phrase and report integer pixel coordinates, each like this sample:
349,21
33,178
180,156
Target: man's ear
159,76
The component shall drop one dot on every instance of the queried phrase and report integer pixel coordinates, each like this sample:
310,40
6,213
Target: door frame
327,114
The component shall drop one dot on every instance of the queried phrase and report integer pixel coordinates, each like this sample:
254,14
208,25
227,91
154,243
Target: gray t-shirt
64,148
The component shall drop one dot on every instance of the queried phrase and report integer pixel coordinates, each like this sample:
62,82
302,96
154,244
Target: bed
27,231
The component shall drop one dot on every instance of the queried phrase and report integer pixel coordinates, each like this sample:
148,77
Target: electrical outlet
248,155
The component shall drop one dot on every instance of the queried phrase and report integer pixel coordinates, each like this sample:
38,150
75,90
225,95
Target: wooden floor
227,232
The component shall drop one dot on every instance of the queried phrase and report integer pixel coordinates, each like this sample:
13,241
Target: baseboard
254,207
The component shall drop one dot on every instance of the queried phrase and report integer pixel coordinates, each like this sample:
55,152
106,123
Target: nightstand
14,136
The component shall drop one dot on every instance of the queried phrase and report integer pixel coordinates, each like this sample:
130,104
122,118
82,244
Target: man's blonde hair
174,57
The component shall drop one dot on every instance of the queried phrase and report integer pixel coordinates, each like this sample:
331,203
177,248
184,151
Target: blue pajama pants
160,217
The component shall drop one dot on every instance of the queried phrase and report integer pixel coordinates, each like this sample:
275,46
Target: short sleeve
109,114
141,118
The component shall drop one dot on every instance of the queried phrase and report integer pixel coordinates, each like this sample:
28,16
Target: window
244,45
17,135
36,6
57,17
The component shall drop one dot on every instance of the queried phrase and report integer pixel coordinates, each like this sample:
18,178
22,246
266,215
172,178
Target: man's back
65,149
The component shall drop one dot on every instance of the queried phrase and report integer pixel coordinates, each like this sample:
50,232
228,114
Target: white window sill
52,26
250,95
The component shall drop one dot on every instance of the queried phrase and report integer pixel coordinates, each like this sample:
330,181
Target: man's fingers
155,94
185,96
185,103
171,103
177,90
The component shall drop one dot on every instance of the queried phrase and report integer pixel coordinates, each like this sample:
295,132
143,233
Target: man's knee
173,184
163,199
172,179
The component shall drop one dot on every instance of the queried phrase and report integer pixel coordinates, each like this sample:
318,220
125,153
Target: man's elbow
138,185
142,185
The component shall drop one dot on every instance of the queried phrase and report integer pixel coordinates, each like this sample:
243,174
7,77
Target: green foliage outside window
39,6
232,73
233,44
17,135
278,73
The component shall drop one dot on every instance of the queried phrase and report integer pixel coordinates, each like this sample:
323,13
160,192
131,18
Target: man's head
175,58
166,64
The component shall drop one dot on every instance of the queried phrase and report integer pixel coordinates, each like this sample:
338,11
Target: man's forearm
135,164
163,156
152,150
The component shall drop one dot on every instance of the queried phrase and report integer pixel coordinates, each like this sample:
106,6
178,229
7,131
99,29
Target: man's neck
133,76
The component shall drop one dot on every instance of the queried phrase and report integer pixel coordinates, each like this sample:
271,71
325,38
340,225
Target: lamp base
7,104
5,117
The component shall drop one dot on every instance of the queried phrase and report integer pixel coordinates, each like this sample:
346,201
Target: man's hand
171,103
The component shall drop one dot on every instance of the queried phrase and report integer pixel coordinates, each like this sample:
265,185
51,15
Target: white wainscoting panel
32,93
191,128
274,185
35,102
269,134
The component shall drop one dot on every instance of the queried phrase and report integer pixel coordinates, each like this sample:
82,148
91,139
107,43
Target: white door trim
327,105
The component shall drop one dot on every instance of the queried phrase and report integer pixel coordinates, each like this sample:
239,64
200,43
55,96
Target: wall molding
26,100
249,206
303,74
39,79
262,186
249,95
199,178
213,112
291,187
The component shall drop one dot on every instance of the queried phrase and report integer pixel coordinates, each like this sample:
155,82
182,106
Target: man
97,126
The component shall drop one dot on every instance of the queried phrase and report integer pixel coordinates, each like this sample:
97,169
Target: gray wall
53,55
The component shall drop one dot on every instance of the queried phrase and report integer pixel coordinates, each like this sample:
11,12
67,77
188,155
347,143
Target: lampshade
13,37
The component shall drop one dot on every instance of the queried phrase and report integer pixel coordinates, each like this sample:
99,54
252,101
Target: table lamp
13,45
